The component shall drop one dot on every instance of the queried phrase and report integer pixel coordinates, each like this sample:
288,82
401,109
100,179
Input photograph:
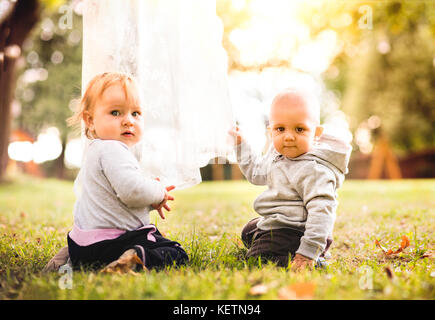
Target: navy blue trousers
154,254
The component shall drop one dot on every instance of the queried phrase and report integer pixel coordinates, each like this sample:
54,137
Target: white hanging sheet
173,48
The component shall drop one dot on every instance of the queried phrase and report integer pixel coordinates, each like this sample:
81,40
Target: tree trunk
13,31
60,162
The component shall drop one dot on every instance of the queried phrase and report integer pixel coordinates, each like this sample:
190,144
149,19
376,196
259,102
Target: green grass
36,214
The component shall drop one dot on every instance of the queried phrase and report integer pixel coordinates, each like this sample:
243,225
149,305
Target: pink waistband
88,237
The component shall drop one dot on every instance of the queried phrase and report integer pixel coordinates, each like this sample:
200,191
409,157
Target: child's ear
319,131
89,121
269,131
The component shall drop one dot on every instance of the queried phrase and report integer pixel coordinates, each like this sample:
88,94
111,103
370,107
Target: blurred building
29,167
413,166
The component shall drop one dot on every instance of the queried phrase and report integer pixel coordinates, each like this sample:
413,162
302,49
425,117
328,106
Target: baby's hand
235,132
301,262
163,204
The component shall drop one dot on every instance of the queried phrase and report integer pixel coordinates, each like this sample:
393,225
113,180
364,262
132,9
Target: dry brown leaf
303,290
381,247
389,272
258,290
125,264
404,244
428,254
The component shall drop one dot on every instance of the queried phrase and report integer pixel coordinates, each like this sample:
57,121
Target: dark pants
154,254
277,245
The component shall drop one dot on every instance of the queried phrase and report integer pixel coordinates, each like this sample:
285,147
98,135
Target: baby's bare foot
57,261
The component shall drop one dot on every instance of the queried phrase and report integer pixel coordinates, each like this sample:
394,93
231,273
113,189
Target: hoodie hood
330,151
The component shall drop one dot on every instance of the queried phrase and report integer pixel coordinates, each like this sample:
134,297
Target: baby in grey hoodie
303,169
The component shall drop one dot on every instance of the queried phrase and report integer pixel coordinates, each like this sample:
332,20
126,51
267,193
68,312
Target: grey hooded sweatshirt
302,191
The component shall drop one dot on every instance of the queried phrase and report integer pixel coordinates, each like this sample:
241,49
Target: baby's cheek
277,143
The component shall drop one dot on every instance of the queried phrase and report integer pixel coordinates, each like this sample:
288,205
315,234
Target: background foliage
387,70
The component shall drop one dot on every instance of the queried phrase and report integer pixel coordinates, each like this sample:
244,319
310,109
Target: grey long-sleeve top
114,194
301,191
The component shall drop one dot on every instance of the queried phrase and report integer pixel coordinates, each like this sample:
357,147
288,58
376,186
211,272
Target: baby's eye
280,129
115,113
300,130
135,114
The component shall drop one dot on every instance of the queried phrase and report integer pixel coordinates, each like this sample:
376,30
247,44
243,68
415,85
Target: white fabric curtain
173,48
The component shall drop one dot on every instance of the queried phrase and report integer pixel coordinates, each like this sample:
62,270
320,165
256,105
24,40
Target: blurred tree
232,18
53,53
386,66
15,24
17,19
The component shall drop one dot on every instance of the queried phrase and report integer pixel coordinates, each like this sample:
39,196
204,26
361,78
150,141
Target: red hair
94,90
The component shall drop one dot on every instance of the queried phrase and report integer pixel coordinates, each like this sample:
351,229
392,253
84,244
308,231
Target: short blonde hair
94,90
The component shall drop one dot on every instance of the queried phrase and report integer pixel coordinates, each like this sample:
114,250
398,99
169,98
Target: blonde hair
94,90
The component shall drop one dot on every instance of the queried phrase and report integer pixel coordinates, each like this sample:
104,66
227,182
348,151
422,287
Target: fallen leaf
303,290
428,254
125,264
379,245
258,290
389,272
404,244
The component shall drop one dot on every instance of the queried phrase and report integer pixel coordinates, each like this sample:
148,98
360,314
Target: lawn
36,214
